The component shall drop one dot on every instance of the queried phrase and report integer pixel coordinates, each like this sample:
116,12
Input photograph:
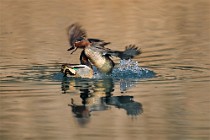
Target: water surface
36,102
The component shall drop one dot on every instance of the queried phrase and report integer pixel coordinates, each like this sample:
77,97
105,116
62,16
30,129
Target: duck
94,52
77,71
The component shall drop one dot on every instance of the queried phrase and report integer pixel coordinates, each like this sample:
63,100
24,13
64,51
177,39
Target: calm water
36,102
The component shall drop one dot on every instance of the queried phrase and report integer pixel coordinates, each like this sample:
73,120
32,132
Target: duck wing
98,42
129,52
74,32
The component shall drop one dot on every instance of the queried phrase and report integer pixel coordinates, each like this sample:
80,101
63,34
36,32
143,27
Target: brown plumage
94,51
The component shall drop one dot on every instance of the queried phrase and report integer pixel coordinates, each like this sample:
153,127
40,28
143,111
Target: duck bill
73,49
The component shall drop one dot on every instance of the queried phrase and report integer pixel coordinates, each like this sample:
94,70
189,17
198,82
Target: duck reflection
96,95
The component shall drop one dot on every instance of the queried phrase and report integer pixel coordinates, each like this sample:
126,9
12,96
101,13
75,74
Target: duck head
68,70
80,42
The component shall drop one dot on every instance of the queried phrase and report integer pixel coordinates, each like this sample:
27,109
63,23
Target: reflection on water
37,102
96,95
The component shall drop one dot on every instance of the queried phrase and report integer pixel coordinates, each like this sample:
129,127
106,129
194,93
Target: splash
126,69
131,70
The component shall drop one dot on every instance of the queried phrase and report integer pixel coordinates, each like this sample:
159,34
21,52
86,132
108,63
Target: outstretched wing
130,52
75,31
98,42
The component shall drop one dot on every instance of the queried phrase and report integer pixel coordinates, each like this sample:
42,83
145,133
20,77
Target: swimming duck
75,70
94,51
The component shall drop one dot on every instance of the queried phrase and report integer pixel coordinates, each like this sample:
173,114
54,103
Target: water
37,102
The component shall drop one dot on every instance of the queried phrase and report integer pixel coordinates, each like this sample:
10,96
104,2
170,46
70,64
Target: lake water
37,102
